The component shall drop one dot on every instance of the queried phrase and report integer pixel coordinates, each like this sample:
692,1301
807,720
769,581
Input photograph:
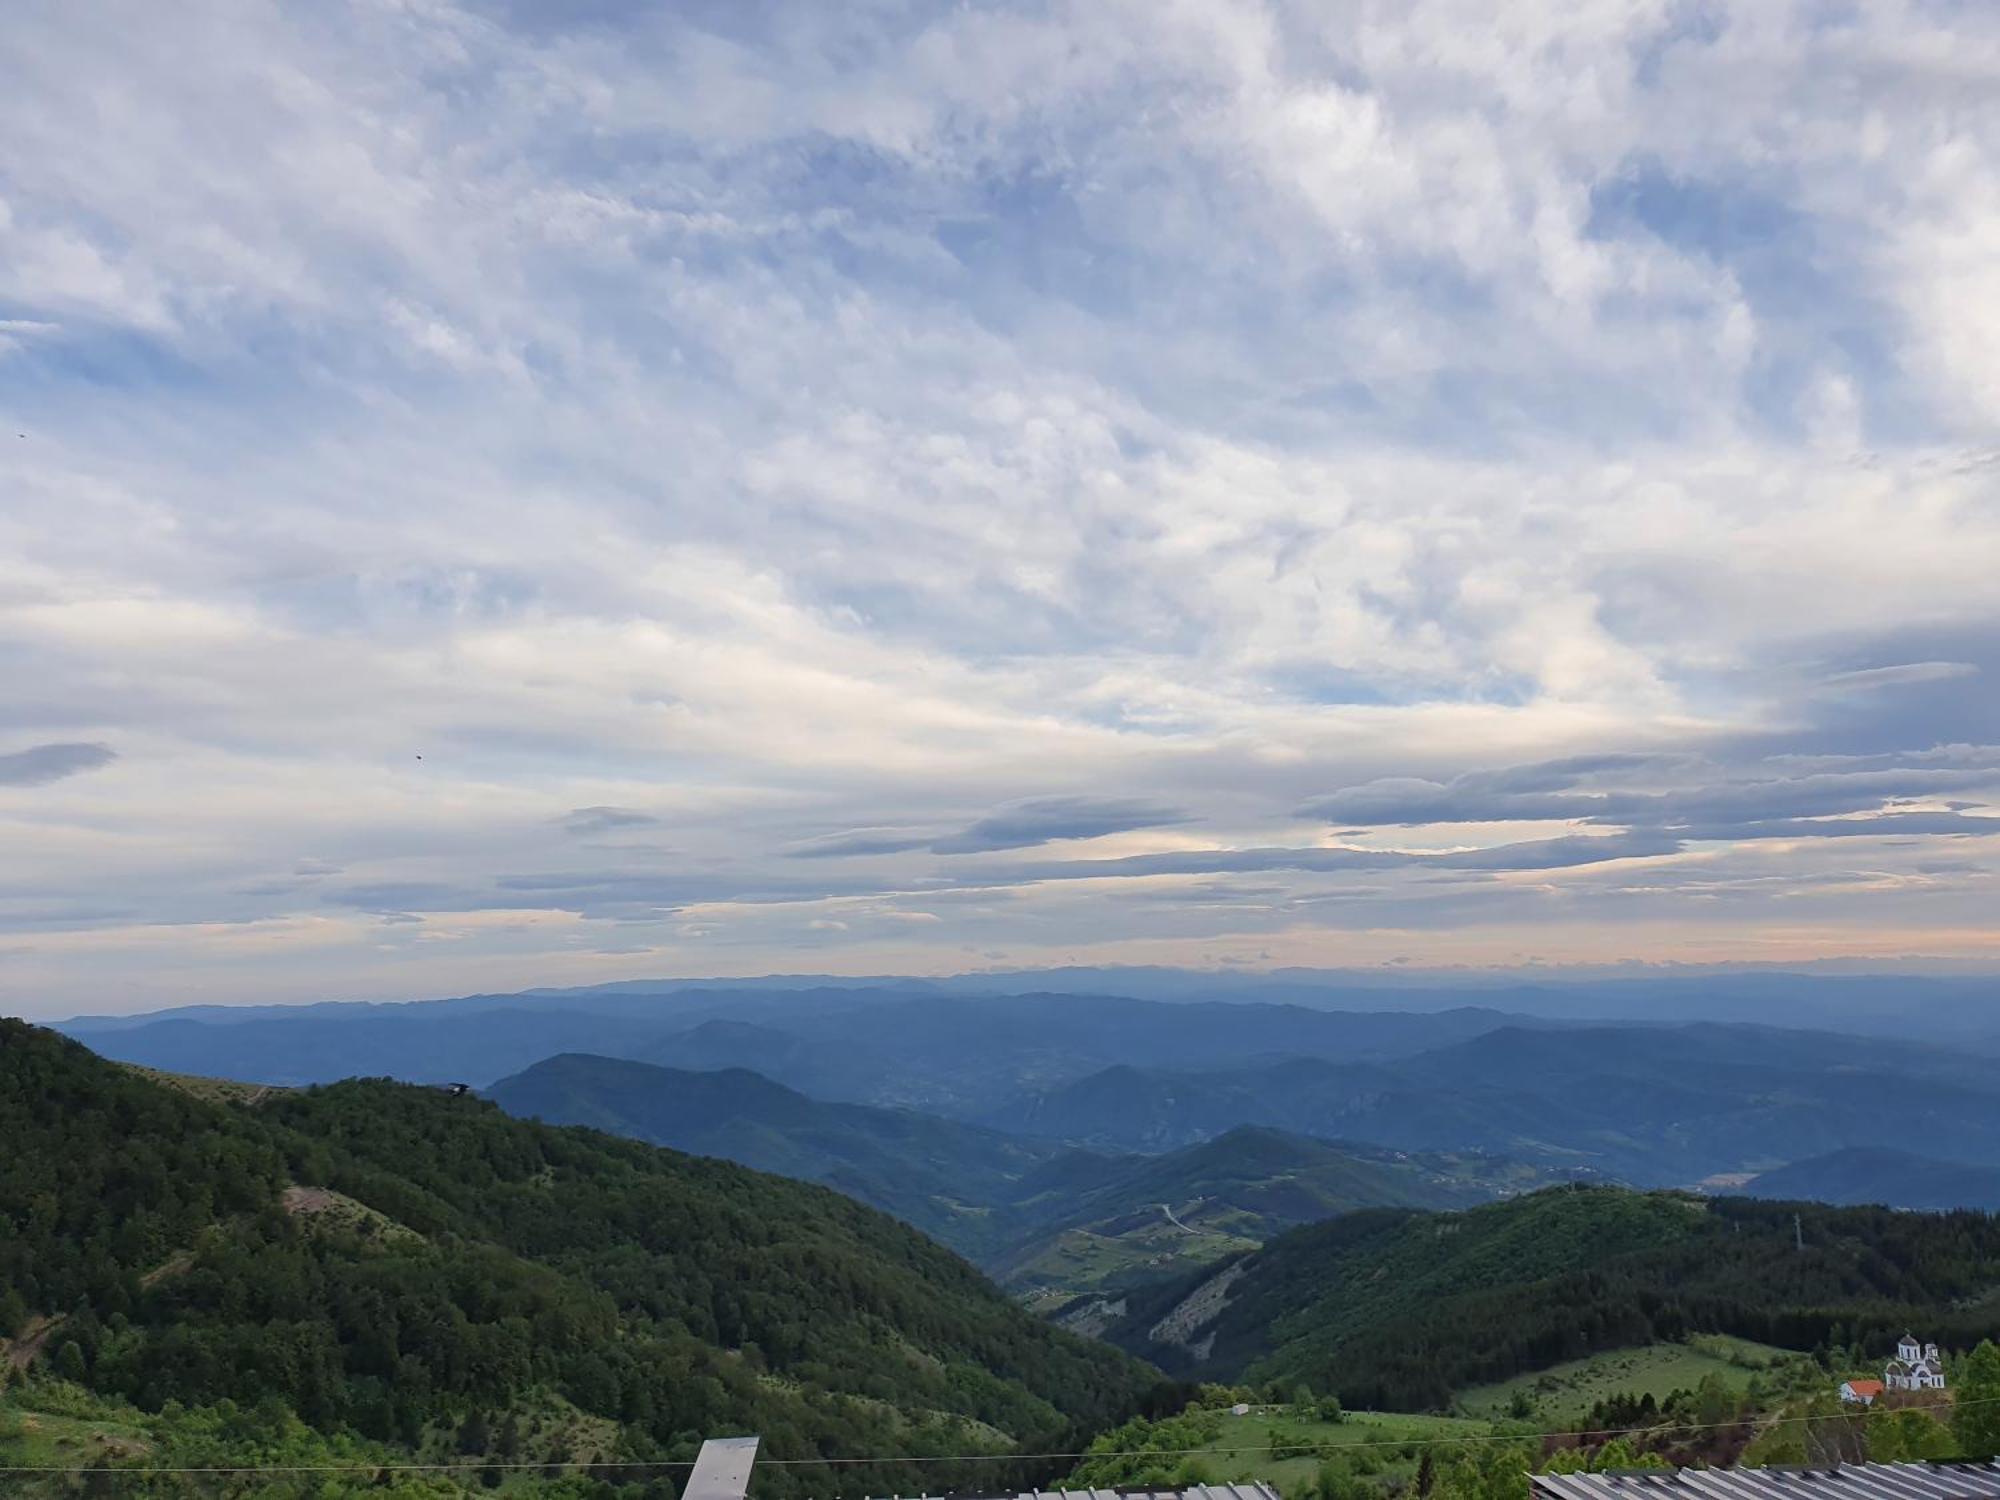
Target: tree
69,1361
1911,1435
1330,1409
1487,1471
1714,1402
1337,1482
1975,1413
13,1313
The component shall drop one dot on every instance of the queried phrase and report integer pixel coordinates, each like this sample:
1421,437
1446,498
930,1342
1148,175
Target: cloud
587,822
1574,790
860,841
1044,820
1019,825
846,440
40,764
1540,854
1902,675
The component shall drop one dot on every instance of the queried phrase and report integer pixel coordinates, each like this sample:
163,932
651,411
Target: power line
1458,1440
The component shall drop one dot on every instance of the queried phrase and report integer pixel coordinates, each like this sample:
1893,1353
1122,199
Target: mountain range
1653,1104
1038,1215
1650,1105
1896,1179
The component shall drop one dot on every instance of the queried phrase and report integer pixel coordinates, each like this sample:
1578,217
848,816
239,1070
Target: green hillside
1156,1217
943,1177
1403,1310
388,1261
1045,1220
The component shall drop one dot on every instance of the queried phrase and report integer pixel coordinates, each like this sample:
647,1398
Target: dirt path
1174,1220
173,1265
22,1351
26,1349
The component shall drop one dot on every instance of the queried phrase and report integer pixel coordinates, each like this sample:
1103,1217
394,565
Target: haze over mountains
1035,1213
993,1085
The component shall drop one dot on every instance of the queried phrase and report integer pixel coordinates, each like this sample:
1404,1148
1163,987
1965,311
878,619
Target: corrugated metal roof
1193,1492
1844,1482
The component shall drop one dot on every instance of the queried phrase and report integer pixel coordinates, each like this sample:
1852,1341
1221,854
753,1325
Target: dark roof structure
1247,1491
1834,1482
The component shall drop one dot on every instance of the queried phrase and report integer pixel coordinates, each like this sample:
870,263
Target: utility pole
1798,1235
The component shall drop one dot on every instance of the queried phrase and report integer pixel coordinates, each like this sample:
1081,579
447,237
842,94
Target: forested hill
942,1176
1402,1309
1038,1216
392,1260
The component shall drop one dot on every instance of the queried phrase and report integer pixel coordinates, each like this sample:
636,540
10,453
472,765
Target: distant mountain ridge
1035,1213
1959,1009
1658,1106
872,1047
1895,1179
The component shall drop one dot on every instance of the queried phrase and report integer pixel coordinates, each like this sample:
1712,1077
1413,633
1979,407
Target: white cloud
872,420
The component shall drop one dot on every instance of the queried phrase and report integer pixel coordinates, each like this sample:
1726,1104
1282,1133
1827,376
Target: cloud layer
533,493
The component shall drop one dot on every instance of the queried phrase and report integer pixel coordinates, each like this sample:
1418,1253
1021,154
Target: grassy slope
1375,1434
1566,1392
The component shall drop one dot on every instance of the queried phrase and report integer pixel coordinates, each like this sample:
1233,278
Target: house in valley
1860,1392
1916,1367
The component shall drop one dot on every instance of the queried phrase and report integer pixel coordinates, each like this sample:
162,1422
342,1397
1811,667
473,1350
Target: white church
1916,1367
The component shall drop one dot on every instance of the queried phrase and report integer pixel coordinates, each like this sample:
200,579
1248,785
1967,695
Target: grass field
1364,1438
1567,1392
64,1428
1083,1260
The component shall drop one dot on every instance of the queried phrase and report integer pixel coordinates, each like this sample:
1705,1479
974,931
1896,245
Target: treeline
488,1257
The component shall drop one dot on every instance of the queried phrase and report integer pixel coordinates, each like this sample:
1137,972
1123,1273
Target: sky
518,492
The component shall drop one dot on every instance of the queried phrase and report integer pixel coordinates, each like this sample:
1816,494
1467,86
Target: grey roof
1248,1491
721,1469
1841,1482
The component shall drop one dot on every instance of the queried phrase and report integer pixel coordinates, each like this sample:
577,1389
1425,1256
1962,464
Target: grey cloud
40,764
1883,825
587,892
860,841
1043,820
1553,795
1019,825
585,822
1537,854
1900,676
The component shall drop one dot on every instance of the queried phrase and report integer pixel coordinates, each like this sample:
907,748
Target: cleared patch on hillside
326,1209
1199,1308
214,1090
1566,1392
